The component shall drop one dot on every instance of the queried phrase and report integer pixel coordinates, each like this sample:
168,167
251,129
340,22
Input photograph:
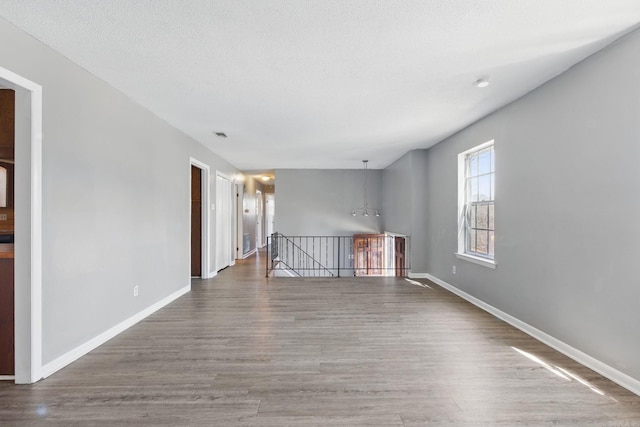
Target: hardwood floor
243,350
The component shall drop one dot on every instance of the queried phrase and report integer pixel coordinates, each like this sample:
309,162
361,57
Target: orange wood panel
400,247
7,123
369,254
196,221
7,225
7,357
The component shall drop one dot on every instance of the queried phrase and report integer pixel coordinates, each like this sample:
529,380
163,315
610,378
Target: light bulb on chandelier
365,210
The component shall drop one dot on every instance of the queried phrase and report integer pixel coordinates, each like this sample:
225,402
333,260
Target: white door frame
205,240
259,219
229,259
269,218
239,195
28,232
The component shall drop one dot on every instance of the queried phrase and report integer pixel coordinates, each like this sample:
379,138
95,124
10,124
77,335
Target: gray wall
319,202
567,183
397,191
115,198
406,201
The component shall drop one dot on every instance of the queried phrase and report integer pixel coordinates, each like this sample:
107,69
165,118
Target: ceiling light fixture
365,210
481,83
221,134
265,178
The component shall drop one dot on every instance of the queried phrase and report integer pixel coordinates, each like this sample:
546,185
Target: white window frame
462,175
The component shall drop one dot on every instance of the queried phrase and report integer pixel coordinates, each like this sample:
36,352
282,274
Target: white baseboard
413,275
73,355
248,254
620,378
7,377
210,275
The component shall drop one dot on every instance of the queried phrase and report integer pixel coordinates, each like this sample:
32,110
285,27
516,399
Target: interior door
224,222
259,219
239,221
270,208
400,244
196,222
7,232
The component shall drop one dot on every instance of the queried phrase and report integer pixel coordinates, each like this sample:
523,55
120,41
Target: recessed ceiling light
221,134
481,83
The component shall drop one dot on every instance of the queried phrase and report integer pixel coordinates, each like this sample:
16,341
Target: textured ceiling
323,83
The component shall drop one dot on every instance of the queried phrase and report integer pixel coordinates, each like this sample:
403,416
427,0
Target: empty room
355,212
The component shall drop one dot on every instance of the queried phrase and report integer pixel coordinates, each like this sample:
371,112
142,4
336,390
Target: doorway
259,219
224,222
270,210
239,220
7,233
196,221
28,227
199,219
399,254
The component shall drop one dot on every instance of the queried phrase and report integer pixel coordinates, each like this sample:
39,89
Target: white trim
259,219
239,191
282,273
224,175
230,225
620,378
248,254
7,377
485,262
479,147
392,234
419,275
234,222
36,234
35,304
205,240
73,355
462,167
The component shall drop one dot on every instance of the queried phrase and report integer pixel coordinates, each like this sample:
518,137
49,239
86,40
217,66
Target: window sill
477,260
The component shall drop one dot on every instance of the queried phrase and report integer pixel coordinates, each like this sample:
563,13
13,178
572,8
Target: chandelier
365,210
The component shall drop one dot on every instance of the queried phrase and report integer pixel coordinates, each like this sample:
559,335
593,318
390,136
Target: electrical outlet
3,217
135,291
454,269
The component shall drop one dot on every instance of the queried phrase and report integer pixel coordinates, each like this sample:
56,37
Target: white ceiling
323,83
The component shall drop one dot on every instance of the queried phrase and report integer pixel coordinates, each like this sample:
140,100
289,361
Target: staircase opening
337,256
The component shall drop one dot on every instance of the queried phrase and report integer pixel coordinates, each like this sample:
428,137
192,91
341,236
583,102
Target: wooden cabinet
379,255
368,250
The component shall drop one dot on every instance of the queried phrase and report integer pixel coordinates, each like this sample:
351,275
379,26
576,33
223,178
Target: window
476,195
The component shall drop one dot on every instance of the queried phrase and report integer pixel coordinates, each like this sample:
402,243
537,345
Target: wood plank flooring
241,350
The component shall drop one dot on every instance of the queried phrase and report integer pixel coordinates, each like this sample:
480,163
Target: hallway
243,350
